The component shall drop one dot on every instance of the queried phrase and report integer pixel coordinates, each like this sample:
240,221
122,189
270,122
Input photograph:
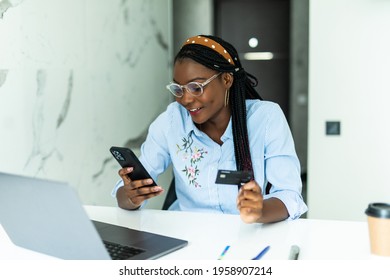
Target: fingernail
130,169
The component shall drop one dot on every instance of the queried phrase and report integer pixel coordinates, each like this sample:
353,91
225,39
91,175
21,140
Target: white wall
77,77
191,18
349,71
298,107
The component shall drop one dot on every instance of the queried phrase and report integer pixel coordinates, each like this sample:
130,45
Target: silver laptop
48,217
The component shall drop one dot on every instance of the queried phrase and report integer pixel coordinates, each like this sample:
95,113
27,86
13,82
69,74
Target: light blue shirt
174,139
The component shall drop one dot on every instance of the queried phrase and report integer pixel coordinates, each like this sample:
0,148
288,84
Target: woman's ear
228,80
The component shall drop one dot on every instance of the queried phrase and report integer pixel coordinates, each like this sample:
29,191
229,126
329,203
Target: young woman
219,122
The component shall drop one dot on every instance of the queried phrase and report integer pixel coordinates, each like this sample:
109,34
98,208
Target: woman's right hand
133,193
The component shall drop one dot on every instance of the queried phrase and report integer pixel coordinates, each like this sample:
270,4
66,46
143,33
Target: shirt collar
228,134
190,127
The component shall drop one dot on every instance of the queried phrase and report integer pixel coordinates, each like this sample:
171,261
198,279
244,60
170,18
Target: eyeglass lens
193,88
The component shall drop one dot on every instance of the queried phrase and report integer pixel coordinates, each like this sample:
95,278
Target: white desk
208,234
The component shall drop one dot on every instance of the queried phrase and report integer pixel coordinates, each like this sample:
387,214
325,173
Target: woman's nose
187,97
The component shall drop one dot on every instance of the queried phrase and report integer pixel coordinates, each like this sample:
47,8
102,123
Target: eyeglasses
193,88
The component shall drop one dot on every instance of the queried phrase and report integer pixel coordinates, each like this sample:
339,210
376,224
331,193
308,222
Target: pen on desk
294,252
262,253
224,252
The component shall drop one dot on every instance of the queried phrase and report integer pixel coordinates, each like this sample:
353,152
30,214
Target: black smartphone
232,177
127,158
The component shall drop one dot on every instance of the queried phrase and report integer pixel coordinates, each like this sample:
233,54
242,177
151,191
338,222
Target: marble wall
77,77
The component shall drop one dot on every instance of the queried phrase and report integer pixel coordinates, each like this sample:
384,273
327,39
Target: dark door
268,21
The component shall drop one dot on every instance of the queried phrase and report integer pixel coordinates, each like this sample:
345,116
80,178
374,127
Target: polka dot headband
207,42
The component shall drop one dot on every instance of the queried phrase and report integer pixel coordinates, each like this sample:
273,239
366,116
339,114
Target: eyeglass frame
201,86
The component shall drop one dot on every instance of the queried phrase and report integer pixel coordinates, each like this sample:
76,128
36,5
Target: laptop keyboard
121,252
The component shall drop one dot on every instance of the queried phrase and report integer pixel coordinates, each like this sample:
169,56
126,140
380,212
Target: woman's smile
194,111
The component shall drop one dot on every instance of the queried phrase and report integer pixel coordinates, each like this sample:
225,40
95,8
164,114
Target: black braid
242,89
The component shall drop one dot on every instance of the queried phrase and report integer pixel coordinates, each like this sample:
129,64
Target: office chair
171,195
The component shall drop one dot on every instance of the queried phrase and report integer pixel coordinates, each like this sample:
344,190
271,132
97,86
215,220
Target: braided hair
241,89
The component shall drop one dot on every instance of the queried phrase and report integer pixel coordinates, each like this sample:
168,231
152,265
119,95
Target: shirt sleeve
118,184
282,166
154,152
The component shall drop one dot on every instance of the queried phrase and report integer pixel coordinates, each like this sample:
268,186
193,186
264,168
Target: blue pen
224,252
262,253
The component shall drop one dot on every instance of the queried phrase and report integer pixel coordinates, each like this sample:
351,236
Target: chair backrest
171,195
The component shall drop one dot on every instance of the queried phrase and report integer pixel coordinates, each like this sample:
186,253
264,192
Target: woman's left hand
250,202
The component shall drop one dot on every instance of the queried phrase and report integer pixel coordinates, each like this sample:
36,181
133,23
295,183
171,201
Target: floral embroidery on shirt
194,155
